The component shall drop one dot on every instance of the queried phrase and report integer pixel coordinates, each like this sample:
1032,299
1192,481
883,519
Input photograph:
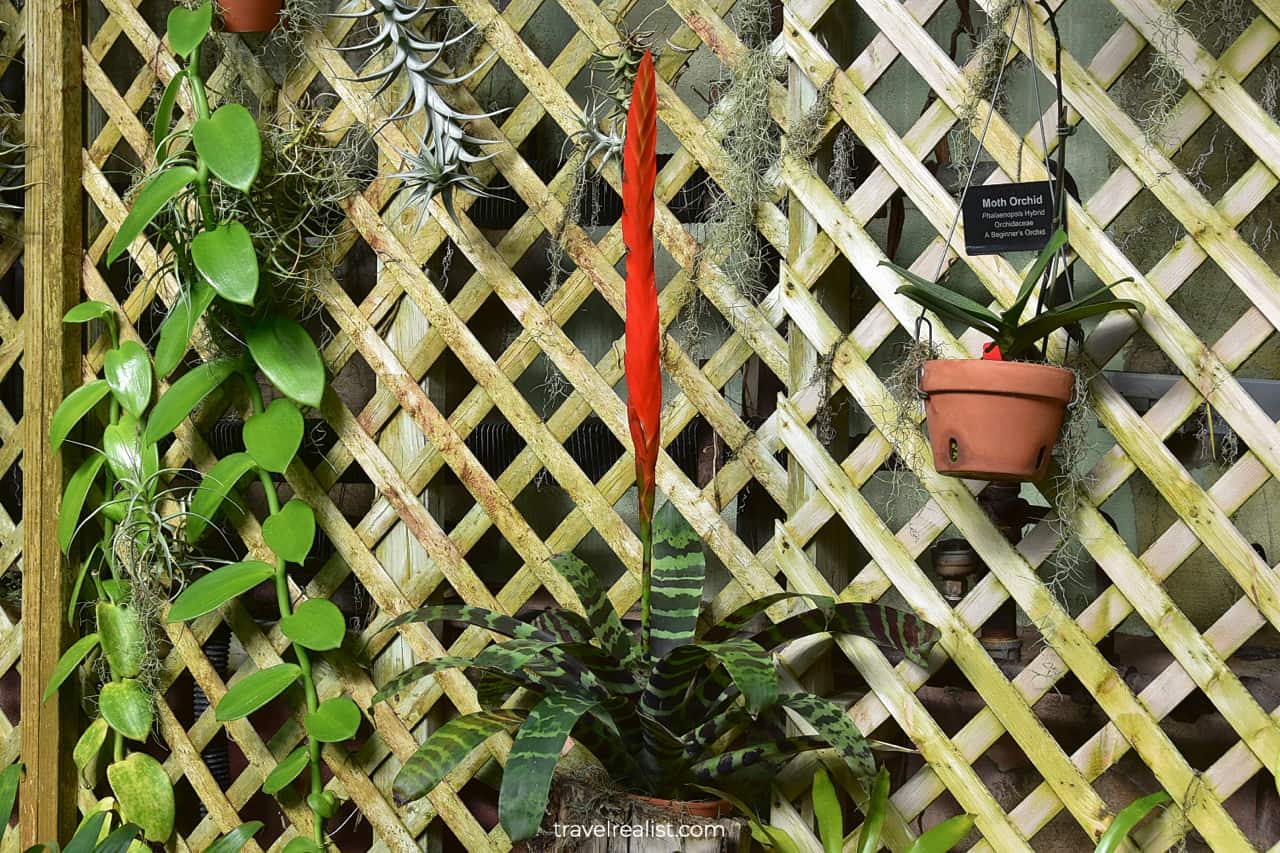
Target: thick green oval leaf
316,624
164,114
225,257
235,840
272,437
186,28
286,771
121,635
301,844
182,397
127,708
291,532
335,720
73,409
218,587
125,454
213,491
158,192
144,793
180,325
943,837
228,142
67,664
252,692
324,804
1129,817
289,358
73,498
90,309
89,744
128,372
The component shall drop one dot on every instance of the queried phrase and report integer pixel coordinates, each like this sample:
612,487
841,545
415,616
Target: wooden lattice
438,516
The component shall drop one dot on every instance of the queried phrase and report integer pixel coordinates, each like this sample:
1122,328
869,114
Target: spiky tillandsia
440,167
690,711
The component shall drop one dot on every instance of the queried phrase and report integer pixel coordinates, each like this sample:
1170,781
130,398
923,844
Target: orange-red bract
644,377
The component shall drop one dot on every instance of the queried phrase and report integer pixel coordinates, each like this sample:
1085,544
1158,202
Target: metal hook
922,320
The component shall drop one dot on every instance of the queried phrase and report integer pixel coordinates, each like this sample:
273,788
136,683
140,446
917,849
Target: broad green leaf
127,708
679,570
1056,241
122,638
159,191
316,624
67,664
526,780
213,490
9,780
869,840
1129,817
182,397
826,808
180,324
73,498
334,721
954,306
943,837
773,838
291,532
252,692
289,358
228,142
286,771
224,583
87,833
128,372
164,113
446,747
615,639
89,744
186,28
123,448
235,840
144,793
225,257
272,437
323,804
73,409
301,844
1051,321
122,840
90,309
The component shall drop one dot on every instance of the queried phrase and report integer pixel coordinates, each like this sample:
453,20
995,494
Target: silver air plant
446,153
601,133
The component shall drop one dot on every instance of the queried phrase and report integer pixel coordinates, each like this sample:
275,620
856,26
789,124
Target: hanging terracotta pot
249,16
994,420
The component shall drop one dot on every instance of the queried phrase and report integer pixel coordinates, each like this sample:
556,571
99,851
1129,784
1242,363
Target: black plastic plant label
1007,218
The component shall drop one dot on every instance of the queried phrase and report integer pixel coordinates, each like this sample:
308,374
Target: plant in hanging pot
675,708
249,16
998,417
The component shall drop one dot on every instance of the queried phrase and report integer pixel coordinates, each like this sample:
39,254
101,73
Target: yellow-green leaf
144,793
224,583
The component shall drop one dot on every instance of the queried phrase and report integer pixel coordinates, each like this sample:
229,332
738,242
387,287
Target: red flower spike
641,358
991,351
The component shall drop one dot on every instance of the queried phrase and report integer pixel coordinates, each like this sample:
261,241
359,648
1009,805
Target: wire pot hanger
1057,172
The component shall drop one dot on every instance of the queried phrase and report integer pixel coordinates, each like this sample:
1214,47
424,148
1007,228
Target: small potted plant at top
998,417
674,710
249,16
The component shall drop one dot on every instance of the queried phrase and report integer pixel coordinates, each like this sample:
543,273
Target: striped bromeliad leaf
740,618
614,638
774,754
702,737
565,625
465,614
675,594
609,749
446,747
750,666
886,626
526,781
835,727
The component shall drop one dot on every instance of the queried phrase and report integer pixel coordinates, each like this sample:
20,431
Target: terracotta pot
249,16
711,809
994,420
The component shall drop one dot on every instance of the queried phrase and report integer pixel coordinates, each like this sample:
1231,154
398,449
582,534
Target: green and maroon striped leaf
710,731
417,672
565,625
835,727
740,618
612,747
679,571
465,614
749,665
886,626
614,638
770,753
526,781
446,747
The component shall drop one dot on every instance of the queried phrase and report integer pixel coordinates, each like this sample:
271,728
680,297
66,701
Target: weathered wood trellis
69,167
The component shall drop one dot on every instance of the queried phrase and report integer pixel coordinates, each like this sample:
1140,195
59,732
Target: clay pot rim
694,808
987,376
